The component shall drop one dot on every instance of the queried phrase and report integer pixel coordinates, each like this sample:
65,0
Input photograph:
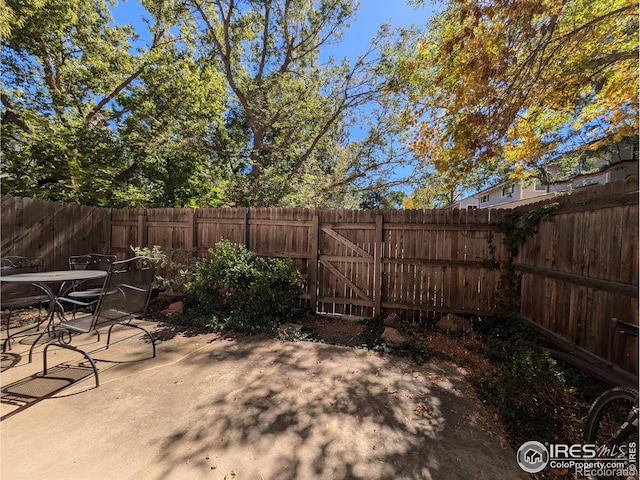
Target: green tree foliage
520,82
60,62
286,139
376,200
176,107
218,102
437,191
89,119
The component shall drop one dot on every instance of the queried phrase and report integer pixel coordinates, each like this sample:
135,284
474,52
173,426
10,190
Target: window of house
484,198
508,190
472,207
539,187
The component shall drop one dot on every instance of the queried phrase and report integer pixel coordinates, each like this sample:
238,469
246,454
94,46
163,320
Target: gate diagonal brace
345,241
361,293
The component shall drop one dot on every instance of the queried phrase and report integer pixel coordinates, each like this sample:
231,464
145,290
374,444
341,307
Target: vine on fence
516,227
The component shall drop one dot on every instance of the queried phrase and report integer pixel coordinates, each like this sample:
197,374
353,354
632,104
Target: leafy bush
171,276
532,386
246,292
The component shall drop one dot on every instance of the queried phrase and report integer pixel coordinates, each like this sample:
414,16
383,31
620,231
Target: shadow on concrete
9,360
301,411
250,408
27,392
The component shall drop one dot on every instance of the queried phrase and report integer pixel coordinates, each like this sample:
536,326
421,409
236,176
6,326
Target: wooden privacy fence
577,272
580,270
356,262
52,230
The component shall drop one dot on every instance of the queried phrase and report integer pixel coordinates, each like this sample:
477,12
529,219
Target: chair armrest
76,302
132,287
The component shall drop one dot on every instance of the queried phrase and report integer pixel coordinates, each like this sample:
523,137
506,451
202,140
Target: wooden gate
349,263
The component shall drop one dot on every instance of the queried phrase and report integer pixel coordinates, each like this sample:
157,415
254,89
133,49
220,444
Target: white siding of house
528,194
496,198
464,204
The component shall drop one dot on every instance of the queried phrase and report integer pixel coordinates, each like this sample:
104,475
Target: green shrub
528,392
171,276
246,292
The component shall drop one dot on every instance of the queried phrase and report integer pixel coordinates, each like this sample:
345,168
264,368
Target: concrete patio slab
248,408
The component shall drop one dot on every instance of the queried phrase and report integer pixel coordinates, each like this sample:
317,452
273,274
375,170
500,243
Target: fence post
192,236
312,269
142,230
106,221
246,228
377,266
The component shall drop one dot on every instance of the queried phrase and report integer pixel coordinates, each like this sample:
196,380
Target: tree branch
224,51
126,174
11,116
90,119
265,42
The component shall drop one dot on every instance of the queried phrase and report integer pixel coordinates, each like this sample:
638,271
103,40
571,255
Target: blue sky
370,16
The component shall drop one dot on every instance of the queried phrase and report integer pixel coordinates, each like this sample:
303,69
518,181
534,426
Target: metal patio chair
124,298
16,296
86,294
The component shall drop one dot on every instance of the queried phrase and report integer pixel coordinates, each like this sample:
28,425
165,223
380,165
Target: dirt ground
334,330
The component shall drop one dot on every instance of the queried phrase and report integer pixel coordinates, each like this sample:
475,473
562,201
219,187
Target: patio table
46,281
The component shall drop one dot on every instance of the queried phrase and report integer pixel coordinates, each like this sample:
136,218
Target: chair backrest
126,291
12,265
92,261
24,264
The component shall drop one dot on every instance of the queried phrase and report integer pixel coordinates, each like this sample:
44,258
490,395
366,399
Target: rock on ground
393,336
454,323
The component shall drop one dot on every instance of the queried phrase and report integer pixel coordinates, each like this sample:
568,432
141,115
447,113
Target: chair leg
33,345
132,325
7,341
